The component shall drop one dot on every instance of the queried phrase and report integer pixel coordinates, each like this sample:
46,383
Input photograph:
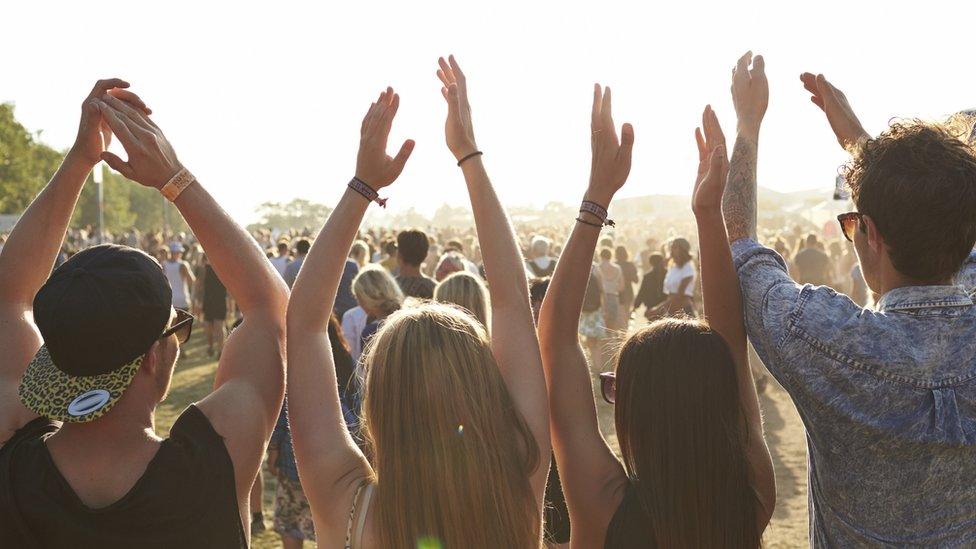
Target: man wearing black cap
89,353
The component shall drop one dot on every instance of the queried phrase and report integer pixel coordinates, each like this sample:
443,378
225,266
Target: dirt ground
784,433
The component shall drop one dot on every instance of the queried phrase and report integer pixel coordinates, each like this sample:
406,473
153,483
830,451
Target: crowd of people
434,387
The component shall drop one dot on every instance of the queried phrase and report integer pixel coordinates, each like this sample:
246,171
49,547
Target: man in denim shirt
887,395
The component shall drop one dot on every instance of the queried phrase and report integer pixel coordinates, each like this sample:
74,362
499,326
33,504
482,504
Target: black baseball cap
98,314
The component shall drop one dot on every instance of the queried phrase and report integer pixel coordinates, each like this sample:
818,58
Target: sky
263,101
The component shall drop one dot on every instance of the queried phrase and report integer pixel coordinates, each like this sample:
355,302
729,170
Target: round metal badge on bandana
89,402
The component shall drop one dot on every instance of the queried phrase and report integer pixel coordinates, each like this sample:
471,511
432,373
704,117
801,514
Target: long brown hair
452,456
683,436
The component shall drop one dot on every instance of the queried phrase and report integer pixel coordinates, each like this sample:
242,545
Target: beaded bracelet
369,193
598,211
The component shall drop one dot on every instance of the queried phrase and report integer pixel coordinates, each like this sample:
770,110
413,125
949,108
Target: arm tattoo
739,201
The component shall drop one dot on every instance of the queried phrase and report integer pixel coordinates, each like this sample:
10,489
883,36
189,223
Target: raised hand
750,92
458,129
713,165
373,166
834,104
152,161
611,161
94,135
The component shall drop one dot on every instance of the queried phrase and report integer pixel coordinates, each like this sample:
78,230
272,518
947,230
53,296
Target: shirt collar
924,297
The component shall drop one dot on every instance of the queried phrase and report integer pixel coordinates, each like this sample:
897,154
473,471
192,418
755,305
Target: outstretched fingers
103,86
120,125
597,106
134,115
400,160
740,74
130,98
118,165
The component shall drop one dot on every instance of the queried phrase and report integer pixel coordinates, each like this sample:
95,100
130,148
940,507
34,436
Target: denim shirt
281,436
887,396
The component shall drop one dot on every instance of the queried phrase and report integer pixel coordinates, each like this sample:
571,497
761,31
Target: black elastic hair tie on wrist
470,156
590,223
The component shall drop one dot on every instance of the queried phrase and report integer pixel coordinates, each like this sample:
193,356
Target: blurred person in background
679,281
180,276
282,258
651,292
302,245
629,277
412,249
466,291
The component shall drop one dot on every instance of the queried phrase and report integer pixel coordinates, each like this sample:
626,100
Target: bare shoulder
20,340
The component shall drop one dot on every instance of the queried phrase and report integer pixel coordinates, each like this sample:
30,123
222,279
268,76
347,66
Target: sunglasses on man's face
608,386
182,327
848,224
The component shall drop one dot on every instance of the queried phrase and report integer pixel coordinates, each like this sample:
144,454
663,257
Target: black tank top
186,498
630,525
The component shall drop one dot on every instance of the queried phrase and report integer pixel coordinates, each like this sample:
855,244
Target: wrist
748,130
78,159
603,198
465,150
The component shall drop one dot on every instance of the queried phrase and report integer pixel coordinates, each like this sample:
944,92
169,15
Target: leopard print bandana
51,393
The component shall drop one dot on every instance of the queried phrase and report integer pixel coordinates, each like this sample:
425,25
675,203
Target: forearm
723,309
314,294
501,254
33,245
720,284
739,201
237,259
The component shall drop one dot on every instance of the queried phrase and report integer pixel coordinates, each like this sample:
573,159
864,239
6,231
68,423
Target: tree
297,214
25,163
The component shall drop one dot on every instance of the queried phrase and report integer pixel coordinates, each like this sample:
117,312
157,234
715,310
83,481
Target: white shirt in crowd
181,292
674,276
353,323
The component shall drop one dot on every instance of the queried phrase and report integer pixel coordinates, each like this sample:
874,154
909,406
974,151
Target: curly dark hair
917,181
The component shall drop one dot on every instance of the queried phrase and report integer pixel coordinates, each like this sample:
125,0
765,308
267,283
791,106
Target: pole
97,174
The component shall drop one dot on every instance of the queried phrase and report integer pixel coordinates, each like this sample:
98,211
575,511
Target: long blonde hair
468,292
376,290
451,454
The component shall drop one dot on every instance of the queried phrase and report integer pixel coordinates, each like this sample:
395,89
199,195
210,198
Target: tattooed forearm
739,201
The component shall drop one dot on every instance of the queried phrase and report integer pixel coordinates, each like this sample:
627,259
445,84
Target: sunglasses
608,386
182,327
848,223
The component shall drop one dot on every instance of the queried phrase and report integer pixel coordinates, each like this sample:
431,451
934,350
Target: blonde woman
455,422
467,291
378,296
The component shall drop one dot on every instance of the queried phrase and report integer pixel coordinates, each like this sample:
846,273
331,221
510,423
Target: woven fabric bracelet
470,156
368,192
598,211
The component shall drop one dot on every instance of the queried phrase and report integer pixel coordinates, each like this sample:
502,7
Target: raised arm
723,300
844,123
249,382
32,248
593,479
329,462
750,95
513,338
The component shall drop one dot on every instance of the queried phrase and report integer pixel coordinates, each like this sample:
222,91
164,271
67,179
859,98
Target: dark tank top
187,497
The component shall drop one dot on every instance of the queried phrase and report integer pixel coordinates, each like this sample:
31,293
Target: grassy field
784,432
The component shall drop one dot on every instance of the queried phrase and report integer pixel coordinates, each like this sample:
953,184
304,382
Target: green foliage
127,205
25,163
297,214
